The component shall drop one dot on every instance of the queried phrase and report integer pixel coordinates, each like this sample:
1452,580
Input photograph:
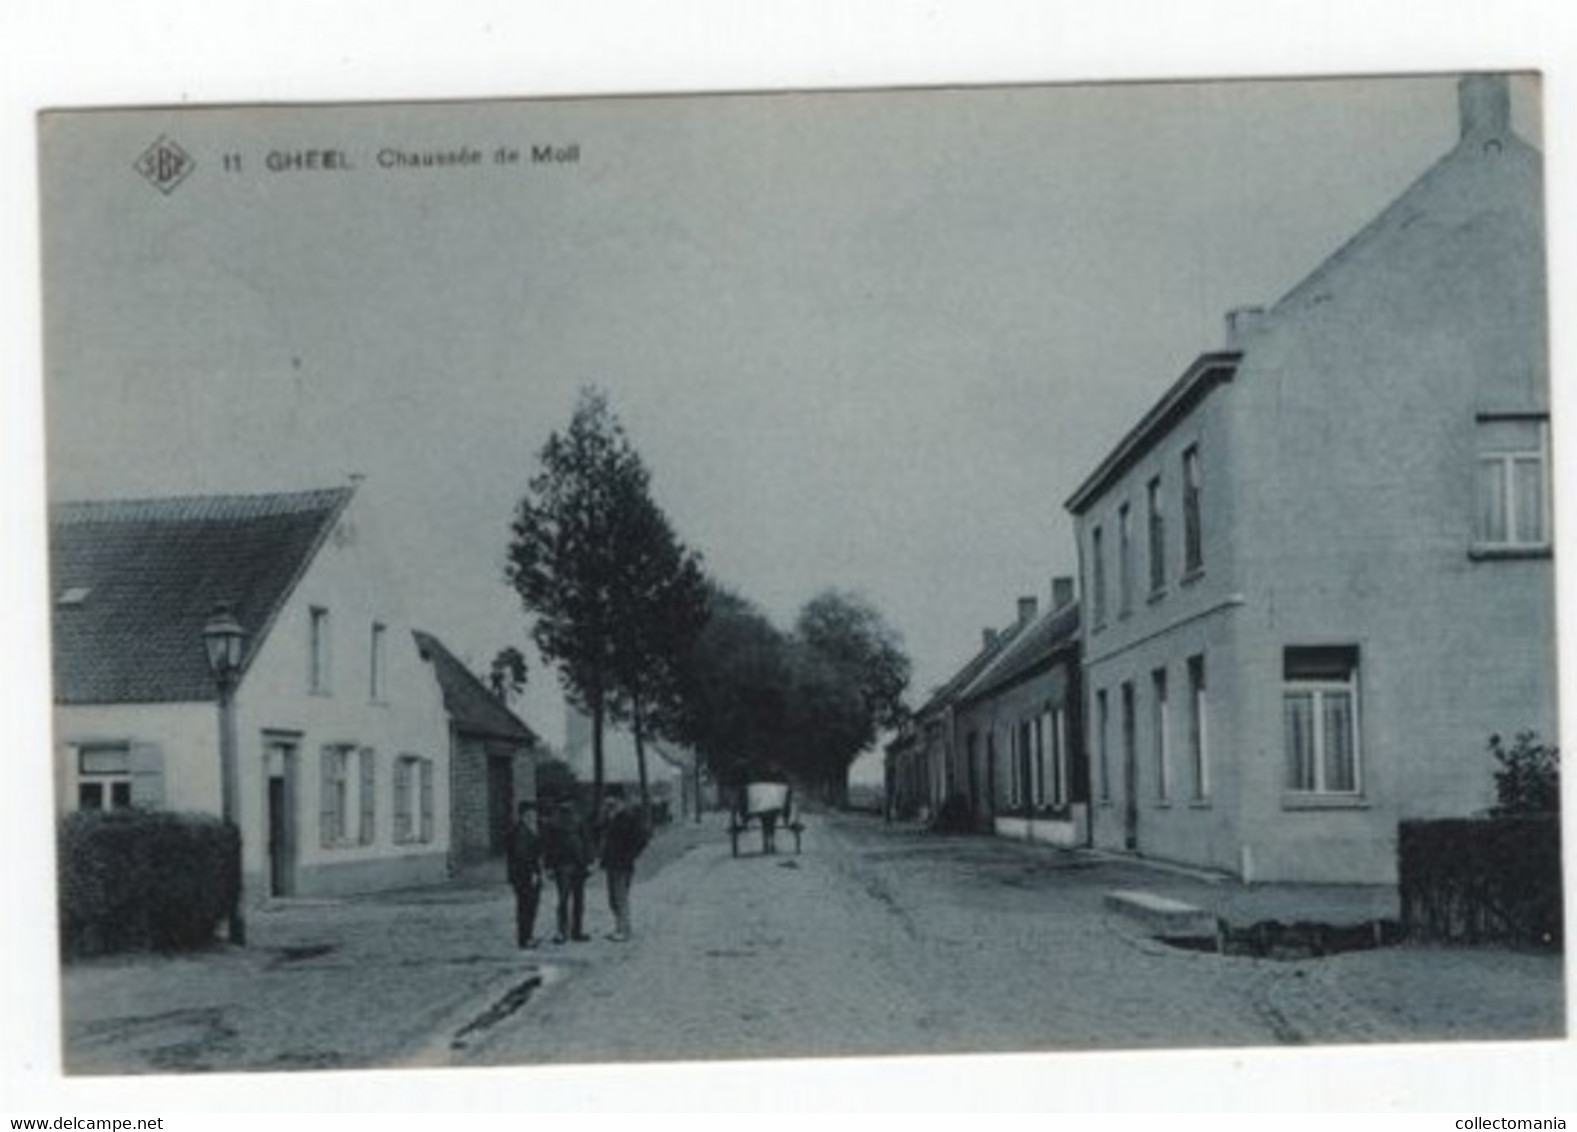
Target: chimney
1241,323
1484,102
988,638
1061,592
1026,609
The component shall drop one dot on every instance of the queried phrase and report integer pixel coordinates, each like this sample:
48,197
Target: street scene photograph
1045,569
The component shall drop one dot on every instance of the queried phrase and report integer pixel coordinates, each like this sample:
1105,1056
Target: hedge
133,880
1480,880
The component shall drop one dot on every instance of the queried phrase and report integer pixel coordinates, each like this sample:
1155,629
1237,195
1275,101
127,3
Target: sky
867,340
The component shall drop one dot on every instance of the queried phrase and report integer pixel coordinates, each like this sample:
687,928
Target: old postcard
997,569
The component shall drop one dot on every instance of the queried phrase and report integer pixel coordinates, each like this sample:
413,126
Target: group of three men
566,846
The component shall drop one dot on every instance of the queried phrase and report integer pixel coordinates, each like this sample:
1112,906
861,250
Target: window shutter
147,776
402,800
326,797
426,771
369,799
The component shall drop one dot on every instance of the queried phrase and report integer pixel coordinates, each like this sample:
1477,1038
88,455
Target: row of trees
640,635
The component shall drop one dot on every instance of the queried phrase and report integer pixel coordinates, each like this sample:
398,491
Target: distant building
343,742
1317,573
1022,715
492,758
974,740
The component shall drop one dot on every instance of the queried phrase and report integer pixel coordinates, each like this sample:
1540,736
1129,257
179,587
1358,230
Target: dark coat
525,856
623,839
566,843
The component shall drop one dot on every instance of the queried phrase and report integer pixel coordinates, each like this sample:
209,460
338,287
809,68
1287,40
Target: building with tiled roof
1021,715
493,757
343,753
929,766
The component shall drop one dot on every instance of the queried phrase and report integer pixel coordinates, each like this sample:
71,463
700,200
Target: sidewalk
356,983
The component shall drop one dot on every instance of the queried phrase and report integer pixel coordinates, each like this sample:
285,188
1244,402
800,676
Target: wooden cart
768,805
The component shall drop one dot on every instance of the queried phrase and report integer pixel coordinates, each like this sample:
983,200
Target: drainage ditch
1272,939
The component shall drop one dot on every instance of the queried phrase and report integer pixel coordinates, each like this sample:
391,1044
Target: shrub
1478,880
556,781
136,880
1528,777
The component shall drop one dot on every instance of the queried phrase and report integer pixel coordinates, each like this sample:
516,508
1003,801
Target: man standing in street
567,854
624,835
525,873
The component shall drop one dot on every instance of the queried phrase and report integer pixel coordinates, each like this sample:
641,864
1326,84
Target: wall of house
995,716
1193,614
472,787
1355,416
276,699
180,769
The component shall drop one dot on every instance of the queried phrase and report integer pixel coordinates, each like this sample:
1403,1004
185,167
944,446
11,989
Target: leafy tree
1527,775
570,555
506,677
733,686
760,702
661,592
556,781
863,657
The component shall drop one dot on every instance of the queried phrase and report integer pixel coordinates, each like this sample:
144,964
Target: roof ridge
194,507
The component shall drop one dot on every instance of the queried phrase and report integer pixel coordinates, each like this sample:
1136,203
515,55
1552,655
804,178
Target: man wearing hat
525,873
624,836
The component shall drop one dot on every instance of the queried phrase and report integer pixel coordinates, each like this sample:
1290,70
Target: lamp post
225,640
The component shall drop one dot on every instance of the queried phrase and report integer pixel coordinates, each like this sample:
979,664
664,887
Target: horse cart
767,805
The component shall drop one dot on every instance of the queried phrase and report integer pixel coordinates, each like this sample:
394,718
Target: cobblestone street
875,940
882,940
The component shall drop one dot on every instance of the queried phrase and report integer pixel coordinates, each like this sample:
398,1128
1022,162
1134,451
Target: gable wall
1355,421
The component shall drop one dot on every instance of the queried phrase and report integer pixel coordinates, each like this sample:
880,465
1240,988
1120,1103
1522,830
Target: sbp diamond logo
165,165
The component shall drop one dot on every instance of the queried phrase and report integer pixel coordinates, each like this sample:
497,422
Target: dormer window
72,596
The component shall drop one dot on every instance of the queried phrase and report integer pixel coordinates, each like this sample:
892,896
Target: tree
734,686
506,677
661,592
570,555
864,658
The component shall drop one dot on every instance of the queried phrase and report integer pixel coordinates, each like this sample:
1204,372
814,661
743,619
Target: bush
1528,778
556,781
1480,880
135,880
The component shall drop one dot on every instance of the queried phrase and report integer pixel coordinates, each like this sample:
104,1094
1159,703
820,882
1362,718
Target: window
1124,560
318,662
1026,756
1193,539
347,805
1064,758
413,799
1513,498
1098,574
1163,771
1015,796
1055,787
1101,744
104,776
1197,735
1320,713
1157,547
375,664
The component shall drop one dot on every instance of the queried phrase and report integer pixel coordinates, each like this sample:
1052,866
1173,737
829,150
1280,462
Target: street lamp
224,639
